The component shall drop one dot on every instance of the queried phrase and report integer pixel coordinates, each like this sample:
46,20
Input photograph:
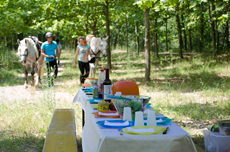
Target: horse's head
22,50
103,46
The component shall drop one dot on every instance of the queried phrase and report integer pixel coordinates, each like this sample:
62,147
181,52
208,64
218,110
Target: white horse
98,46
29,55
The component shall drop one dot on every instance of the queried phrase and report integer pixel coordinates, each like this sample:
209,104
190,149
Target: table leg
83,118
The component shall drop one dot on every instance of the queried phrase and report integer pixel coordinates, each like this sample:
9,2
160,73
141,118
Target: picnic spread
105,131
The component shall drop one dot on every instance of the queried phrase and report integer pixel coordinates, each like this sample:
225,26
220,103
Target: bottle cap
102,70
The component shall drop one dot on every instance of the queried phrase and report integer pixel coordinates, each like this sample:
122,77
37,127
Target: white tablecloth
96,139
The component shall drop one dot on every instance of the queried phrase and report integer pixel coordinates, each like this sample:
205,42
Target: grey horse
98,46
30,55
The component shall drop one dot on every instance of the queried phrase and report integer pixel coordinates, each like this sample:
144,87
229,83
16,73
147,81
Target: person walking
59,50
83,50
49,50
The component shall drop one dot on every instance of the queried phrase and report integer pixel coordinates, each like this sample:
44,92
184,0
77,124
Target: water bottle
95,91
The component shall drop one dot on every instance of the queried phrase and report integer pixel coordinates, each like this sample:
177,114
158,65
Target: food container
215,142
224,127
136,102
103,106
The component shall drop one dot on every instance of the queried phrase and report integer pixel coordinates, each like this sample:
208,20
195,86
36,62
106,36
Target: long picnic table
98,139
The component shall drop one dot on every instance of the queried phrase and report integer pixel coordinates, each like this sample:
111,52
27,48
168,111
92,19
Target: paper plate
96,114
101,124
158,130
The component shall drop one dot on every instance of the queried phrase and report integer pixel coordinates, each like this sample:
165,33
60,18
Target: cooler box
214,142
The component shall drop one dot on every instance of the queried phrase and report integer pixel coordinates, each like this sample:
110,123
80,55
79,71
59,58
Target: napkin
108,114
141,130
126,123
160,120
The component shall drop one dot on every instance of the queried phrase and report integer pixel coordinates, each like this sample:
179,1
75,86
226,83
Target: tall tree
146,5
106,6
137,37
201,26
184,31
179,29
155,39
212,25
189,29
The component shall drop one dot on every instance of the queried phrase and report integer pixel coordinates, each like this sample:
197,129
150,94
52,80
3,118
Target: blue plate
148,106
93,100
87,89
101,123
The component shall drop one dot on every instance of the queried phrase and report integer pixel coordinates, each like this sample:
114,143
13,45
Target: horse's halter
25,54
25,51
95,53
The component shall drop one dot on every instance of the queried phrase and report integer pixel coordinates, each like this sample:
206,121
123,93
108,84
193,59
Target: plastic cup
127,114
151,118
139,121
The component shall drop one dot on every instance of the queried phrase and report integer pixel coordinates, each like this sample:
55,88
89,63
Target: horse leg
32,73
92,67
26,75
39,70
95,67
90,70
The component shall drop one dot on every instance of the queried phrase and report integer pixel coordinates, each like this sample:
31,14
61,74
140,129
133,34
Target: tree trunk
118,36
137,37
108,33
12,42
147,45
126,25
201,27
94,26
5,42
155,40
217,38
87,21
212,26
166,34
189,30
115,43
227,35
179,33
185,36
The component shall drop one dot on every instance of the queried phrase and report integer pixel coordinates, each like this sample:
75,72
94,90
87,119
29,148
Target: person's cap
49,34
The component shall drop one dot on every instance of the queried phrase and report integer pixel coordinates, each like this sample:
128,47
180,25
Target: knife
166,130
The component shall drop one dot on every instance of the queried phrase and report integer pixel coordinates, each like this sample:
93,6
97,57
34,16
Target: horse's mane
95,41
30,45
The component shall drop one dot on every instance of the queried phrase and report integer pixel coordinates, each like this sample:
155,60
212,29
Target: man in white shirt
59,51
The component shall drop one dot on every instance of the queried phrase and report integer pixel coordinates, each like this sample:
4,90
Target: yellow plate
94,105
158,130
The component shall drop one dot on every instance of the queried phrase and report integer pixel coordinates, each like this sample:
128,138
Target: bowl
135,102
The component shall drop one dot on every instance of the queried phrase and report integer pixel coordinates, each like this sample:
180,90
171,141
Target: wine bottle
107,87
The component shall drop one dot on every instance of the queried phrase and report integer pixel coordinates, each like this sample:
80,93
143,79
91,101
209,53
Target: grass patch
194,92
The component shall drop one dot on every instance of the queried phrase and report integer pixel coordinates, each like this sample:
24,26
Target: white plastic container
215,142
100,77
